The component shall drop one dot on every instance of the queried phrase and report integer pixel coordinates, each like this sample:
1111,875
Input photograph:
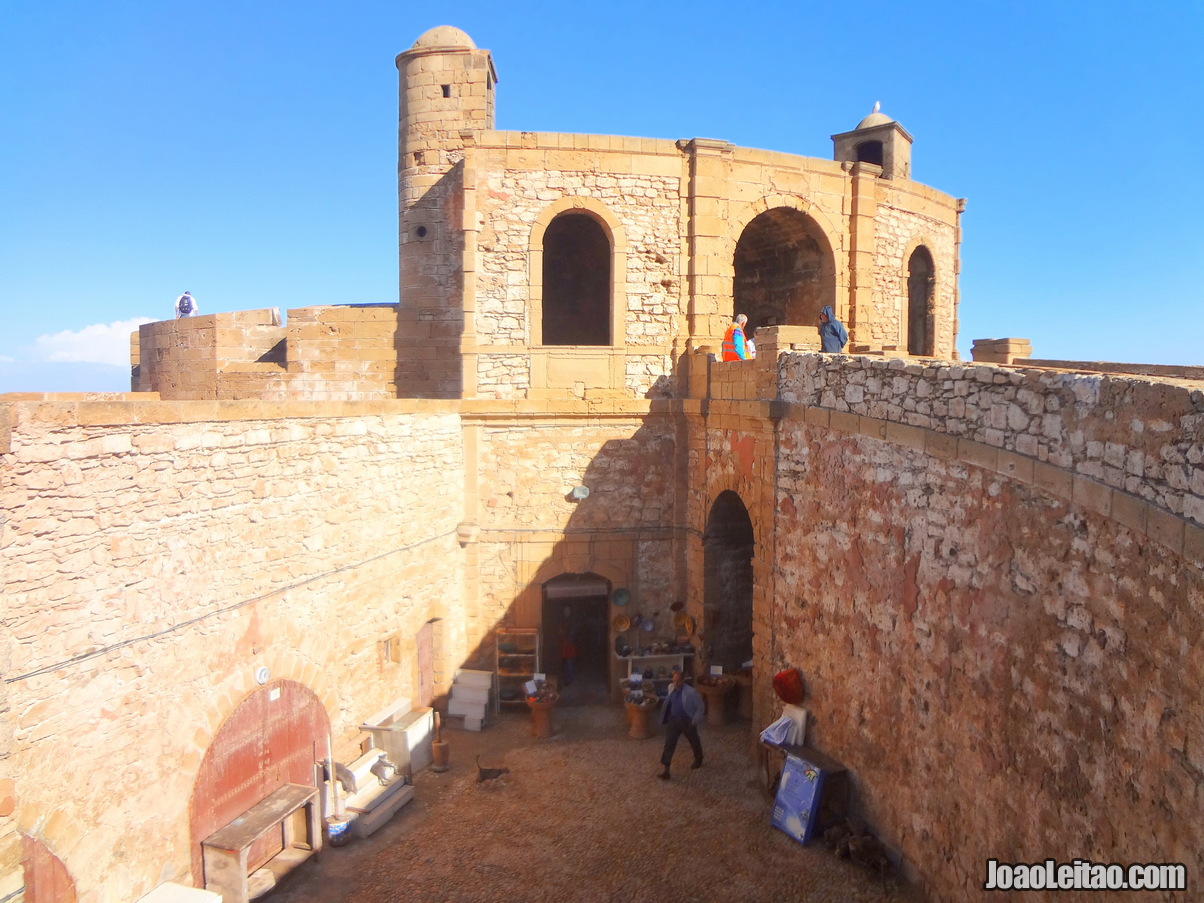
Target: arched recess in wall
576,606
727,583
46,878
921,308
577,263
272,738
784,270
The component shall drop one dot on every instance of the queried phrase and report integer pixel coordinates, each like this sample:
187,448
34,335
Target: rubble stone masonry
992,581
157,553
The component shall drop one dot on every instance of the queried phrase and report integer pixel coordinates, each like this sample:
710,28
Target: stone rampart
992,579
352,352
1127,447
159,552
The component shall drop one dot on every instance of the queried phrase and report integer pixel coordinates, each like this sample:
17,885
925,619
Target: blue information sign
796,806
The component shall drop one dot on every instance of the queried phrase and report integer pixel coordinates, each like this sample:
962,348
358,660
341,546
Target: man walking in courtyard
734,346
683,714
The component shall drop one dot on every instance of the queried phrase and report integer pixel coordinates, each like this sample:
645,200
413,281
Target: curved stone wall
992,580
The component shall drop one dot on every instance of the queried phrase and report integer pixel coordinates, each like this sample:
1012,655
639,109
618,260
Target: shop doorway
574,608
728,583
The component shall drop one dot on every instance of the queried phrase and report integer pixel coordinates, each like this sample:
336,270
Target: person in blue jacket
683,713
832,334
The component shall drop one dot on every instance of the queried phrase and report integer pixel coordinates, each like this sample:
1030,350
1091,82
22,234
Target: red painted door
273,738
46,878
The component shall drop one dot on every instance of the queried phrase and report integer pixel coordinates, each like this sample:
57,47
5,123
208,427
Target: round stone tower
446,88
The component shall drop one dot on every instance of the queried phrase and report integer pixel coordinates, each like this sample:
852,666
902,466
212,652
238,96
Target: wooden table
227,851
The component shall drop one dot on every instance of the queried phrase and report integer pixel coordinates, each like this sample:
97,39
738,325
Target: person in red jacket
734,346
568,656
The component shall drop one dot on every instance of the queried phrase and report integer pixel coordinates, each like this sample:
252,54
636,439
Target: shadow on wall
621,536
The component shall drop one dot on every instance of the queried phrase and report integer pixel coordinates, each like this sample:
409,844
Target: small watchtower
446,87
879,140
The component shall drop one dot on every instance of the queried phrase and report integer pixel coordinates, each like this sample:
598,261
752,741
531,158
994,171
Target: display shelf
517,661
666,660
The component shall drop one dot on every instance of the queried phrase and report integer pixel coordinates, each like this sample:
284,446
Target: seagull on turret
877,106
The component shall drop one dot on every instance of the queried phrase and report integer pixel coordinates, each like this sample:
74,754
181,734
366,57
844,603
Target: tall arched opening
784,271
728,583
575,610
576,281
274,737
920,289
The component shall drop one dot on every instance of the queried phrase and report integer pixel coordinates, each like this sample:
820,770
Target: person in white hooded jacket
186,306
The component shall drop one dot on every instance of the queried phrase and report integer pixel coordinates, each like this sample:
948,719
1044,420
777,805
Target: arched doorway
784,272
274,737
46,878
920,285
575,607
728,583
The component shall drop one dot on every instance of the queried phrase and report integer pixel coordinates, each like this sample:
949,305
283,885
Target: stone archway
728,583
784,271
274,737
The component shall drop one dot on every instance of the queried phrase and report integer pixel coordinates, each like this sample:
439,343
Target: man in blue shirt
683,714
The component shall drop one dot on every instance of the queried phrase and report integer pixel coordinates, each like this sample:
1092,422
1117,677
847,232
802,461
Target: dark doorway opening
920,287
575,607
728,584
783,270
576,281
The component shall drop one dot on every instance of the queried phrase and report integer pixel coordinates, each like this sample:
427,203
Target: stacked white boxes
470,697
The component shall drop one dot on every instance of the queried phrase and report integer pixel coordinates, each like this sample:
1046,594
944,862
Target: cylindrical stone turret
446,88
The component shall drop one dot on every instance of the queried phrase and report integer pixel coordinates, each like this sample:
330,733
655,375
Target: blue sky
246,149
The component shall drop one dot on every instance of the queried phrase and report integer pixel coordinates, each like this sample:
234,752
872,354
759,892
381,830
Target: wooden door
274,737
426,665
46,878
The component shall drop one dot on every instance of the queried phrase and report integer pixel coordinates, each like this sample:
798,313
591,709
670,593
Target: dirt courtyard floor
582,817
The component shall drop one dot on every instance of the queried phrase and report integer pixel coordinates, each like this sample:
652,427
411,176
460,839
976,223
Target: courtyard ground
582,817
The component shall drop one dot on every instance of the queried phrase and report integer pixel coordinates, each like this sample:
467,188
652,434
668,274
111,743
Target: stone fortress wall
157,554
1002,645
970,618
990,575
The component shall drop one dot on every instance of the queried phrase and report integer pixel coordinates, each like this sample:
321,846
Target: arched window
576,281
920,285
783,270
870,152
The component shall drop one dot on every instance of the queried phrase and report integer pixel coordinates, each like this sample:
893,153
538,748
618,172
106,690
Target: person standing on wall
186,306
832,334
683,713
734,346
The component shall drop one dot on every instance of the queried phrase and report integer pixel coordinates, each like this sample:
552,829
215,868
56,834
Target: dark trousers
674,728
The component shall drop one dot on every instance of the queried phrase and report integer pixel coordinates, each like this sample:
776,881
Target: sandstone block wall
158,553
365,352
531,531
